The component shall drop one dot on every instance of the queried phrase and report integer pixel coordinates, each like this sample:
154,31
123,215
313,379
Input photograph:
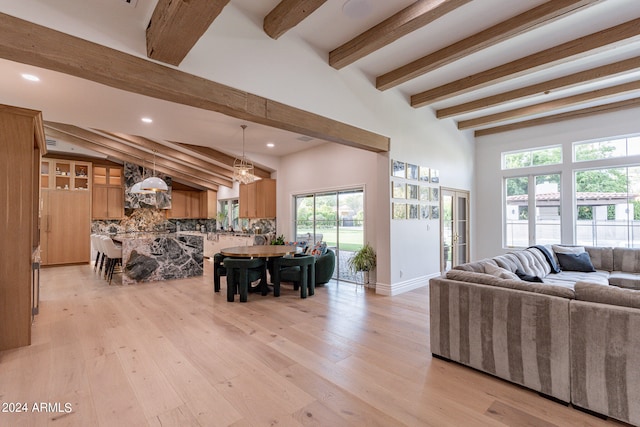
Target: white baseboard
402,287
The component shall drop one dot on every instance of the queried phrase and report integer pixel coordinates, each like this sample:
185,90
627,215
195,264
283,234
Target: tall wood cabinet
21,143
65,227
108,192
65,218
258,199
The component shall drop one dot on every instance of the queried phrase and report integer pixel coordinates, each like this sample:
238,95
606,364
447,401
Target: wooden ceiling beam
512,27
544,107
180,156
117,155
409,19
220,157
588,76
176,26
162,164
576,114
287,14
563,53
33,44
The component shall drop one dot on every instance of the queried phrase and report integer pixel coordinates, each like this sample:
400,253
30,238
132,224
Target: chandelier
243,168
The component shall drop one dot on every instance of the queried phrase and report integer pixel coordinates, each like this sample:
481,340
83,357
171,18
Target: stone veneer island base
153,257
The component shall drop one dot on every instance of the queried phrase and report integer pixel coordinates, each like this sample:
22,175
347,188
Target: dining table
261,251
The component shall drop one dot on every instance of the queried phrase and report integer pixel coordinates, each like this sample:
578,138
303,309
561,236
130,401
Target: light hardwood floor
176,354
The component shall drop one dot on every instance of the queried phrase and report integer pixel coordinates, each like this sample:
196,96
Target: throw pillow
576,262
503,273
301,244
527,277
559,249
319,249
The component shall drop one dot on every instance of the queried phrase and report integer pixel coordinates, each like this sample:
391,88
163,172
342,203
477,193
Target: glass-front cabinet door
454,228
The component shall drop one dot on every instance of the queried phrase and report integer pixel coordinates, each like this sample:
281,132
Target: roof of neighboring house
583,198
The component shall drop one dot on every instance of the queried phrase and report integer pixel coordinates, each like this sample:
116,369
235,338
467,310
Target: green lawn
351,238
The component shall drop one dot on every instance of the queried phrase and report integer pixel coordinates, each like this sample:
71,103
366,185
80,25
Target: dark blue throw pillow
576,262
527,277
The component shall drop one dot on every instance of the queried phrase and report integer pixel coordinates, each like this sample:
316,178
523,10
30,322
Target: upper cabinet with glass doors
58,174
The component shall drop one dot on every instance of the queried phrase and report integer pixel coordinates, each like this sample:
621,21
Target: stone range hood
134,174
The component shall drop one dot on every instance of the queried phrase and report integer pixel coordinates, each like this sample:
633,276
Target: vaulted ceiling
488,65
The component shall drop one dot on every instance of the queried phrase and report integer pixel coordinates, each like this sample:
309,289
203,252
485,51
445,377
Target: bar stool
100,248
114,256
97,246
241,272
301,270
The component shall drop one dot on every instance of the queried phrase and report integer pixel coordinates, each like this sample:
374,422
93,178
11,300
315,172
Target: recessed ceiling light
357,9
147,120
30,77
271,145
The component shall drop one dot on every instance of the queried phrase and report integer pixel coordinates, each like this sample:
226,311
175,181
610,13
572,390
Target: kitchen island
148,257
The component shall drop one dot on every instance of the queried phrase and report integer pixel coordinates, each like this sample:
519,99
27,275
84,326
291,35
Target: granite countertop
153,235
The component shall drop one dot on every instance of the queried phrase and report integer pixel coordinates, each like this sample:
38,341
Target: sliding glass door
335,217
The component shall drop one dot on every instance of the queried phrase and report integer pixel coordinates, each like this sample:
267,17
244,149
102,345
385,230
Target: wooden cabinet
59,174
21,143
65,227
258,199
108,193
188,204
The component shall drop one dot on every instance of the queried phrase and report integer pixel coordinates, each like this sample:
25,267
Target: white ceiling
116,23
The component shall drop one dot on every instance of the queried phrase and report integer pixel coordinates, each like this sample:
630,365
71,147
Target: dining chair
218,270
240,273
299,269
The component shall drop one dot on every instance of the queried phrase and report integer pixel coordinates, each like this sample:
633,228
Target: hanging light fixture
154,183
137,187
243,168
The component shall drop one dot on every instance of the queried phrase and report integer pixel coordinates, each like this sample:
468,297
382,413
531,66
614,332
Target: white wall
487,203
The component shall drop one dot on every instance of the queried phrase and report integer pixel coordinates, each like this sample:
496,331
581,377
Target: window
598,150
604,206
534,157
544,227
228,214
608,207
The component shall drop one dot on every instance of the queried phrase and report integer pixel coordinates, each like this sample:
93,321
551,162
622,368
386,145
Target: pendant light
243,168
137,187
154,183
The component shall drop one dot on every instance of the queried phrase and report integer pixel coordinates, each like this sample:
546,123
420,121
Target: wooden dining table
261,251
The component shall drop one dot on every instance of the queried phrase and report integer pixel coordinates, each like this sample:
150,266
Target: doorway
335,217
454,228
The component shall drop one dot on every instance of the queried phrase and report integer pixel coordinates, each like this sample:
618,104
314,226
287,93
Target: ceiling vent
51,142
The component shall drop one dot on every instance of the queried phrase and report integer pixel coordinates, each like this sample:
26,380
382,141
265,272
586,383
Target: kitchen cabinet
59,174
258,199
65,227
22,142
108,192
188,204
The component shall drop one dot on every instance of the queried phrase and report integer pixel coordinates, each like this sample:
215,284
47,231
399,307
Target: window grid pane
517,212
547,220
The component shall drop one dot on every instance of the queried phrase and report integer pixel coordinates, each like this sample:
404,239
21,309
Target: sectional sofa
571,335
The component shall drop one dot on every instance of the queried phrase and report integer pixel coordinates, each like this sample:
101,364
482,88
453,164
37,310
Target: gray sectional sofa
572,335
